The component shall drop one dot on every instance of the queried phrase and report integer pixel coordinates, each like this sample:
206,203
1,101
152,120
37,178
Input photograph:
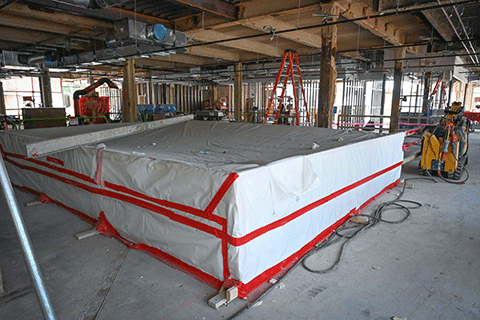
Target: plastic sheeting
223,201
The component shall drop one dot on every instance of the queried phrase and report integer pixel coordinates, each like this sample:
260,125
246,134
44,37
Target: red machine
473,116
92,106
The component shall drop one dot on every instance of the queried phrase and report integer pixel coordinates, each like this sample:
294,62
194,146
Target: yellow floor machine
445,145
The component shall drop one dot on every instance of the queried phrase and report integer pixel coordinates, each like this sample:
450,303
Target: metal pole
33,268
382,100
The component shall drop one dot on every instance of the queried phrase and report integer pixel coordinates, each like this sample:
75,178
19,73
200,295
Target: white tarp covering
225,201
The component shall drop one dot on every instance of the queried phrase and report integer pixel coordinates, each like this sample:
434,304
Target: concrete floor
425,268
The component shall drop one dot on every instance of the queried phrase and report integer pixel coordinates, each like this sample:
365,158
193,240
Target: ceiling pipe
465,31
456,32
338,22
3,6
92,4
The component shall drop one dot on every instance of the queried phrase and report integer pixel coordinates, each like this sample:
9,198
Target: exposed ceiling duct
92,4
130,39
134,39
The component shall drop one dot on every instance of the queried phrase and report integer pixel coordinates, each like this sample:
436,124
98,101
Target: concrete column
328,70
129,88
238,92
2,100
45,89
397,89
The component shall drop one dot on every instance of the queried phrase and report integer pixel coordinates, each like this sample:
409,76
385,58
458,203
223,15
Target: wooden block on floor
86,234
231,294
359,219
33,203
408,186
217,301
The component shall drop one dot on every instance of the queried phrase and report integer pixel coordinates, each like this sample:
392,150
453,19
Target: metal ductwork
49,57
92,4
134,39
128,32
13,58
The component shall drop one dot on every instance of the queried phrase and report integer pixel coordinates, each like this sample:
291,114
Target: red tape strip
207,214
244,289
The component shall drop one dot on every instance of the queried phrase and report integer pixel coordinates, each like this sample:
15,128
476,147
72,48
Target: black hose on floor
372,220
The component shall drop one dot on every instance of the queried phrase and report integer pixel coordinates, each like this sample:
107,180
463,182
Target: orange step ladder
290,58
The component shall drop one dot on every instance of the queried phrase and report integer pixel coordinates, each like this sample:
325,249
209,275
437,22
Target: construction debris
87,234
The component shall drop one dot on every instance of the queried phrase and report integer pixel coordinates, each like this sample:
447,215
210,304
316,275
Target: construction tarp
224,202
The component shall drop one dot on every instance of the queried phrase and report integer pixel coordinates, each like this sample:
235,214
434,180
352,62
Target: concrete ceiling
223,32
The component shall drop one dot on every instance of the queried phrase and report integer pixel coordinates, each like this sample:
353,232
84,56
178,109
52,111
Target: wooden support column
238,92
397,88
328,70
2,100
468,99
45,89
129,108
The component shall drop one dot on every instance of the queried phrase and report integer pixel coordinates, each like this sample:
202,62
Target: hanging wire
298,15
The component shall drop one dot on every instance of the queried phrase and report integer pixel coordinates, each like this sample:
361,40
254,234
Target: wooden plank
412,157
50,26
244,44
55,17
231,293
304,37
215,7
205,51
254,8
87,234
16,35
378,26
218,300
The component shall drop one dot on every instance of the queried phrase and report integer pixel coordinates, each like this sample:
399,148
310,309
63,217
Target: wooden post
468,99
2,100
397,89
129,110
238,94
45,89
328,70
